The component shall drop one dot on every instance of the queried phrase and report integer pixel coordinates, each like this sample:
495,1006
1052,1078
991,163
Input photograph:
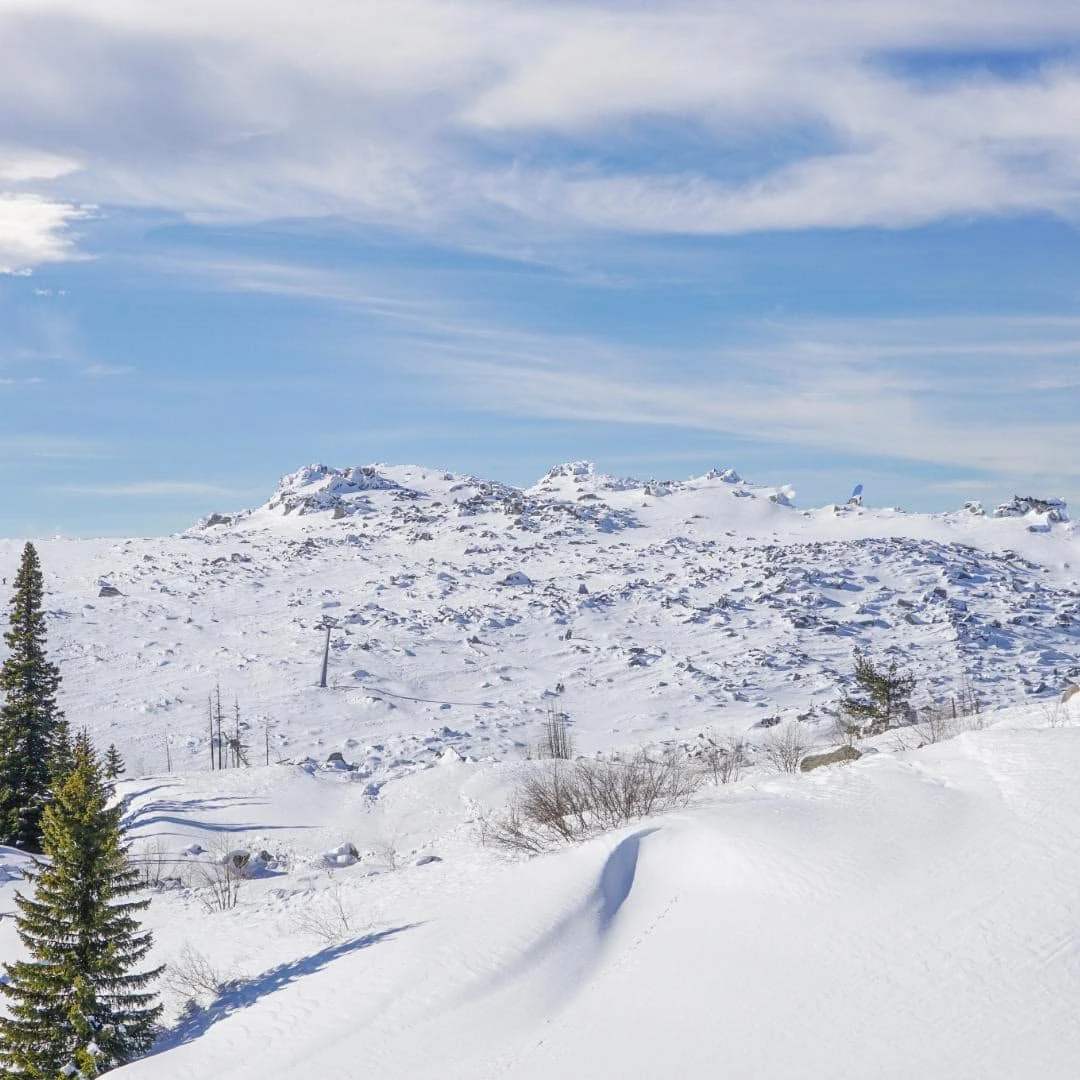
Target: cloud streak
145,489
908,394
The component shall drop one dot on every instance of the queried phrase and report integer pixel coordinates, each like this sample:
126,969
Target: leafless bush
387,850
1057,715
847,730
785,747
942,720
934,724
194,978
217,882
157,868
724,756
555,741
330,916
562,802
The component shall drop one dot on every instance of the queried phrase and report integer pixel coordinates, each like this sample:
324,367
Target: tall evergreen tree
75,1005
30,722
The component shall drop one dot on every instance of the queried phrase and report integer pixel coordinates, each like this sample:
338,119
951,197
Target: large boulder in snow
833,757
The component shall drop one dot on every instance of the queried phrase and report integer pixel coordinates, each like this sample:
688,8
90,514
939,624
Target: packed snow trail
912,915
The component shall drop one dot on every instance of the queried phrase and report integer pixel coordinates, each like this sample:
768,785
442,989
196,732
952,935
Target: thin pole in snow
326,624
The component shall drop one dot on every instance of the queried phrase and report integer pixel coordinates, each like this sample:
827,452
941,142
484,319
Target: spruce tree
75,1006
888,691
29,718
114,763
62,755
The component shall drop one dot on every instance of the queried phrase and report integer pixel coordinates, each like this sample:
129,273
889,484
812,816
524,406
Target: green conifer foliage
114,763
76,1006
29,717
62,756
888,692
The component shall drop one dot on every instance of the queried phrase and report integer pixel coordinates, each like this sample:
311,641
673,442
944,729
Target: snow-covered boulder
1022,505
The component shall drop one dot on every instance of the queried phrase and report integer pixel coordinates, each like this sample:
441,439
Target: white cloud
450,116
34,230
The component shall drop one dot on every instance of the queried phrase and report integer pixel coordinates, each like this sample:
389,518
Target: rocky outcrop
1022,505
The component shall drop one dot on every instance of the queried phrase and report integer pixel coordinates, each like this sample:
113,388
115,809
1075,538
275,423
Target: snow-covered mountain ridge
462,605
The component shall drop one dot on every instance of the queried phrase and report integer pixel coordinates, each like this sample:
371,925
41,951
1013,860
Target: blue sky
823,244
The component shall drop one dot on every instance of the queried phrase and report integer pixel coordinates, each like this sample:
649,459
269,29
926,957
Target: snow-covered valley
911,914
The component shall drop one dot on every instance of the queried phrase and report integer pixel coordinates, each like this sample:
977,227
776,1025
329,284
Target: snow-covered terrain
912,914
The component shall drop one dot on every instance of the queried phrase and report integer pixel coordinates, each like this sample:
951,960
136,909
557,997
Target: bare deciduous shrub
785,747
942,720
555,741
157,868
560,802
332,916
194,979
847,730
724,756
934,723
1057,715
217,882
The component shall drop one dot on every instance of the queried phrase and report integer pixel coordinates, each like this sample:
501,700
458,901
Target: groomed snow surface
915,914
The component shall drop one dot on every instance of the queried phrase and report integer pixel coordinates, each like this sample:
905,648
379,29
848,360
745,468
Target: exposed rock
833,757
1021,505
109,590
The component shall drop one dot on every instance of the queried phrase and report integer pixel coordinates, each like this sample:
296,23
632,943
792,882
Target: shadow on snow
242,993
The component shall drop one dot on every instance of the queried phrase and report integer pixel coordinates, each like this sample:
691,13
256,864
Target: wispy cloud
918,391
105,371
59,447
975,392
145,488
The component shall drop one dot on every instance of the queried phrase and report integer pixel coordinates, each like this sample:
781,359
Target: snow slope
912,914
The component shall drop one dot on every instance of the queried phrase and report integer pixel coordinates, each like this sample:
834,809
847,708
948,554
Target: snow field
911,915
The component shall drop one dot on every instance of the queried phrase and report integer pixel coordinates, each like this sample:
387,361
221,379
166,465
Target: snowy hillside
910,915
462,606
